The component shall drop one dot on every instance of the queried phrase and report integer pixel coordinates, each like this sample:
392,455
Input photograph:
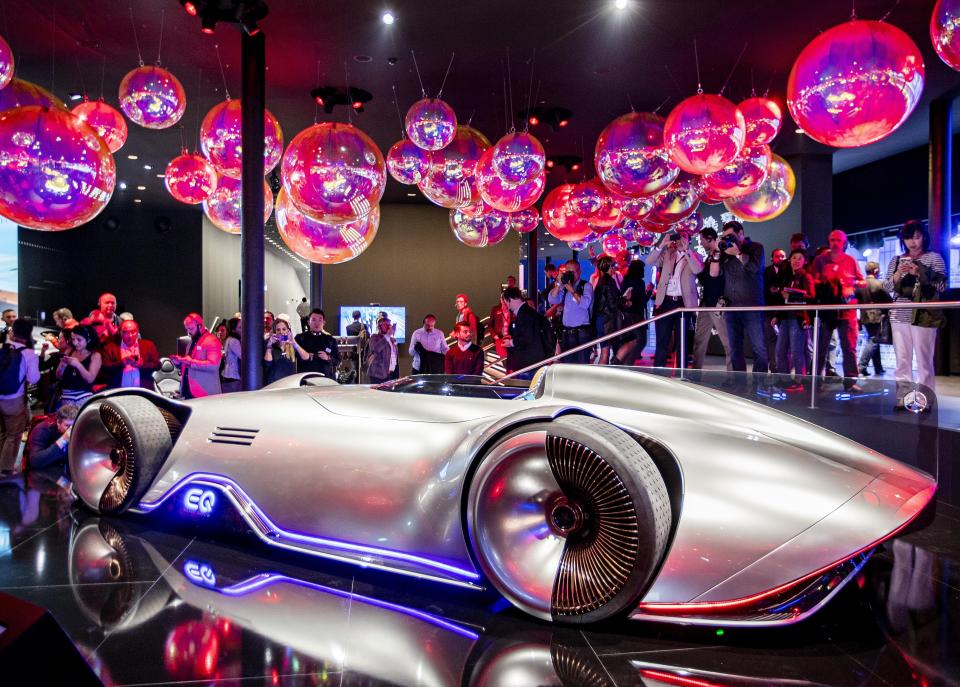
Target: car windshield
456,385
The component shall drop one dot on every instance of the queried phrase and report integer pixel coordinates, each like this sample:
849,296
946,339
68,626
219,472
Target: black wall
155,274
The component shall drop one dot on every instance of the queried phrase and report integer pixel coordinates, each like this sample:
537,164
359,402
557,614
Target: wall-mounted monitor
369,315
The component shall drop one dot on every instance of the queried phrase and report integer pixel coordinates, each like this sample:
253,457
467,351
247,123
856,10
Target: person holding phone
281,353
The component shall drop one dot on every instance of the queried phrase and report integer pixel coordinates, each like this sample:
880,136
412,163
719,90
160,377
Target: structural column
941,175
253,60
531,267
316,285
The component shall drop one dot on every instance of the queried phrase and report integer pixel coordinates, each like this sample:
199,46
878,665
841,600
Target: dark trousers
846,329
571,337
871,349
770,338
751,324
14,418
665,329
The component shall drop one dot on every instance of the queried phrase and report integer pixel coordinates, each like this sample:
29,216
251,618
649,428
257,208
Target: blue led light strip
250,507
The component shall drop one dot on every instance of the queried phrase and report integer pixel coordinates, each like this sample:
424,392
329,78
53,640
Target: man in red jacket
464,357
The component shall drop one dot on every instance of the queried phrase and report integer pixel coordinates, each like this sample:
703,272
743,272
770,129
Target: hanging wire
163,14
416,67
533,61
753,87
446,74
396,103
660,106
890,11
53,58
83,86
103,74
673,78
136,39
536,98
853,9
199,109
630,103
739,57
316,104
223,74
346,76
513,127
696,58
506,103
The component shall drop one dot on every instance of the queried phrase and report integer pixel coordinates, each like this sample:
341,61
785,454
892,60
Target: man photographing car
576,295
741,261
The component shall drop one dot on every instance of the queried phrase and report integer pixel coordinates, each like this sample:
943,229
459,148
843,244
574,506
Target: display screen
369,315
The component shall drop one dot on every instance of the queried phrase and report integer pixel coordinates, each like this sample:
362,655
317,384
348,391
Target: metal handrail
737,308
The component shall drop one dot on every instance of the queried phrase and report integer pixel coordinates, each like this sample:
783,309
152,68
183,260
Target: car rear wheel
117,447
569,519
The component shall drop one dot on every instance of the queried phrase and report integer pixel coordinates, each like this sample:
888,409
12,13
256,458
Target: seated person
47,443
464,357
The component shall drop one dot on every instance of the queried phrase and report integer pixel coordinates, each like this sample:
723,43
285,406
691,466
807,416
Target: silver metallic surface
91,446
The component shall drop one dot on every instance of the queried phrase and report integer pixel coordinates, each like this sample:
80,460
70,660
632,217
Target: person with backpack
530,336
576,296
607,317
18,367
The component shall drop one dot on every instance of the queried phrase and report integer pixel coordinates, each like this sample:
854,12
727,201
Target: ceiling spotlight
190,8
329,97
798,130
148,167
387,18
208,25
555,117
137,200
131,157
534,121
122,185
141,188
621,4
75,96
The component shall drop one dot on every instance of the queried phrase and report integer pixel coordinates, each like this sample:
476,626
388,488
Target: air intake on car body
233,435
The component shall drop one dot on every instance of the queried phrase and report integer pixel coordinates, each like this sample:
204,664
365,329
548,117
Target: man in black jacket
524,343
742,267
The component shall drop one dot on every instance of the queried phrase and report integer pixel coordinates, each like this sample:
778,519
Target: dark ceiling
590,57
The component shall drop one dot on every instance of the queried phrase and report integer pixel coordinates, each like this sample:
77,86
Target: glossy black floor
135,596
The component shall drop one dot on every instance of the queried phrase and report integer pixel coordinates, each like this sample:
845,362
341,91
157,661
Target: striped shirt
933,261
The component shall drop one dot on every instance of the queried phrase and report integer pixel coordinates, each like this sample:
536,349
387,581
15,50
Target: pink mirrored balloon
105,120
645,238
505,196
708,196
431,123
771,199
635,208
703,133
855,84
459,159
223,206
578,245
475,208
407,162
629,228
518,157
630,157
588,198
334,172
613,243
524,221
152,97
456,194
190,178
607,218
742,175
20,93
945,31
479,232
763,118
559,217
673,204
322,242
220,139
6,63
55,171
690,224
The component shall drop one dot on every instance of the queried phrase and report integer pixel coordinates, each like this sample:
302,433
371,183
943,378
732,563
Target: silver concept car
595,492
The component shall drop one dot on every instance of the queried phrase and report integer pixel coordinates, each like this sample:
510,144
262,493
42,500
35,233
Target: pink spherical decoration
334,172
505,196
578,245
613,243
524,221
518,157
407,162
450,194
431,123
635,208
152,97
560,219
645,238
771,199
855,84
708,196
105,120
690,224
20,93
742,175
606,217
588,198
763,118
6,63
945,31
703,133
459,159
223,206
673,204
190,178
220,139
630,158
478,232
629,228
55,171
321,242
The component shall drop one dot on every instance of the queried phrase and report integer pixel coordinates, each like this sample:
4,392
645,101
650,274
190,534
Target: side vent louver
233,435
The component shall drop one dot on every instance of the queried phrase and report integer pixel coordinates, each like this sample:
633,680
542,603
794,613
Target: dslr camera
567,278
726,242
674,236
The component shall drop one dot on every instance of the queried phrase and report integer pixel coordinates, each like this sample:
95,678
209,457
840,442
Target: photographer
741,261
677,269
711,279
576,296
281,353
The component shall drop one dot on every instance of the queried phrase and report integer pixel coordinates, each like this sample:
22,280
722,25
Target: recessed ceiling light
123,185
387,18
148,167
161,176
798,130
137,200
411,195
620,4
141,188
131,157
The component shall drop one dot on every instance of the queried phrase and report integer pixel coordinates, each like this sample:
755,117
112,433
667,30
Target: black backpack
10,379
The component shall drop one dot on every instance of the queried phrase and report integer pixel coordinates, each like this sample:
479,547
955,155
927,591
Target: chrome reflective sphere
629,228
479,232
855,84
630,157
945,31
222,208
220,139
645,238
152,97
505,196
334,172
6,63
742,175
459,159
524,221
763,119
676,202
703,133
635,208
105,120
431,123
20,93
190,178
560,219
55,171
588,198
607,216
407,162
578,245
518,157
320,242
613,243
771,199
690,224
447,193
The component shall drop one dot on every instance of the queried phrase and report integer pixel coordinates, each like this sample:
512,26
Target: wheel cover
103,458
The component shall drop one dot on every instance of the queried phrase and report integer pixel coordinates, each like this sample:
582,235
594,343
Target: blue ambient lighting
200,573
199,501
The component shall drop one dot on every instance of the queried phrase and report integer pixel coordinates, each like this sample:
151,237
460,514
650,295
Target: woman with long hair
282,350
230,376
79,368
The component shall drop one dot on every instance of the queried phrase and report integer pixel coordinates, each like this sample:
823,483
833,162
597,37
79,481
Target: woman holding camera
280,356
917,275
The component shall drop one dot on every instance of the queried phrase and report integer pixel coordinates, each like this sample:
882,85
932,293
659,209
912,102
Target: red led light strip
679,680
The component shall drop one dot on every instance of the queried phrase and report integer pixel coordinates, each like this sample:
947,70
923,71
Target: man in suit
133,361
678,266
772,276
523,343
